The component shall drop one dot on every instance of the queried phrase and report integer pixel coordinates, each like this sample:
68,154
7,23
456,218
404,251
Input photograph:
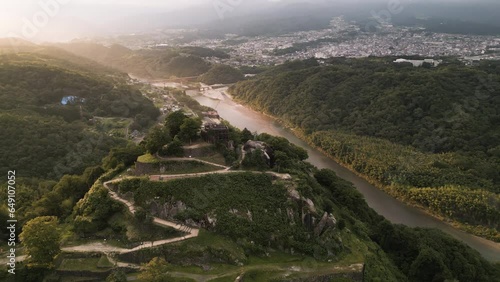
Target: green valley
250,141
197,199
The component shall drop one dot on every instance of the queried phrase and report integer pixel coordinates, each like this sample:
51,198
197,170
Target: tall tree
246,135
155,271
174,121
158,137
428,266
41,238
190,129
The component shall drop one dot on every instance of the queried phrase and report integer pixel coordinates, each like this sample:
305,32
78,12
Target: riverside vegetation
429,136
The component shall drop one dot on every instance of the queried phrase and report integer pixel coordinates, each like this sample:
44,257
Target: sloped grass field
224,260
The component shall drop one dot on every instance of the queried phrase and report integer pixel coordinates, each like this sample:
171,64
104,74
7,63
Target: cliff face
307,215
299,211
259,211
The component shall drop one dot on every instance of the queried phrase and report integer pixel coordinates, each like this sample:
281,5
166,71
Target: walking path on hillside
161,177
100,247
190,232
193,160
225,169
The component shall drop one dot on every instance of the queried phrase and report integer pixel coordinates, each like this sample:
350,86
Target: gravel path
105,248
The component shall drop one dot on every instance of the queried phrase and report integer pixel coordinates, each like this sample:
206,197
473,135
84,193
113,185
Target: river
387,206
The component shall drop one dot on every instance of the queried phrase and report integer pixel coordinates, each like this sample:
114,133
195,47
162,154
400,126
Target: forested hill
148,63
428,135
449,108
53,56
60,116
47,114
222,74
160,63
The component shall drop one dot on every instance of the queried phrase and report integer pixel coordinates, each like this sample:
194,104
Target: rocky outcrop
326,221
167,210
210,220
251,146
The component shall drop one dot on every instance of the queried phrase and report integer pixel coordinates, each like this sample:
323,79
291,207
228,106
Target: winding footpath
194,160
164,177
100,247
188,231
224,170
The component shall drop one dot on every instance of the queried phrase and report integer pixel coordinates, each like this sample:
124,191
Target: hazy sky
12,9
16,16
27,17
57,19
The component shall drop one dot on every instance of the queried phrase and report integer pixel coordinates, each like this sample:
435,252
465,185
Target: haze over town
63,20
250,140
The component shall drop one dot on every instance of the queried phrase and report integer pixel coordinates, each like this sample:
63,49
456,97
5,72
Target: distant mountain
482,12
147,63
455,18
55,56
260,17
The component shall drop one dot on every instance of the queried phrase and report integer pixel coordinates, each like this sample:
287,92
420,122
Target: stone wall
144,168
200,151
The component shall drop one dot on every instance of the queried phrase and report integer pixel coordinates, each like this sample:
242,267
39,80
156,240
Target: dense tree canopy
48,114
190,129
427,135
157,138
92,212
222,74
174,121
449,108
148,63
41,238
187,66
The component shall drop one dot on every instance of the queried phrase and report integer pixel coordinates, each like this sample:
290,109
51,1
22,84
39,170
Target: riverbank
479,231
452,224
390,190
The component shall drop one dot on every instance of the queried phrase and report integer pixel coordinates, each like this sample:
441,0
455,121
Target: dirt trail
190,232
105,248
193,232
194,159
